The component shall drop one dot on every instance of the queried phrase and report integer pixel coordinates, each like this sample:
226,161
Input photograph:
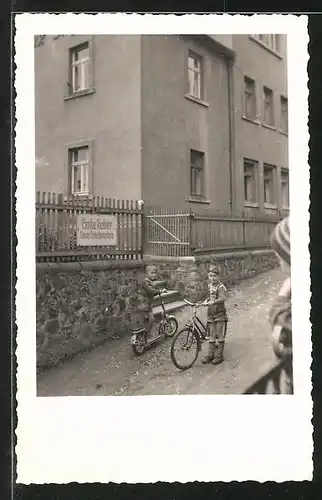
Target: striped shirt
217,311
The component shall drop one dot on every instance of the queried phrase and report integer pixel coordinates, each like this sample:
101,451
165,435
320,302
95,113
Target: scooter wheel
139,347
169,327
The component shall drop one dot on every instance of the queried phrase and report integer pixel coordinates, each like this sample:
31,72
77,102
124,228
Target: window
79,60
284,189
196,173
269,184
79,170
195,75
273,42
284,114
268,107
249,99
250,187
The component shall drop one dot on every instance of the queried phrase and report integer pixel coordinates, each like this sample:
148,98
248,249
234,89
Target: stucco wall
254,140
139,114
110,116
173,124
225,40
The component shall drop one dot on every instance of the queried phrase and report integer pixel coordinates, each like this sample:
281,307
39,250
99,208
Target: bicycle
192,335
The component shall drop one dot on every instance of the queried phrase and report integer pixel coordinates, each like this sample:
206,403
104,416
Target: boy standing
148,291
216,317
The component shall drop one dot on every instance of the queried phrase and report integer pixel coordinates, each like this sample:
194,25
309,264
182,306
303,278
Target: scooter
168,326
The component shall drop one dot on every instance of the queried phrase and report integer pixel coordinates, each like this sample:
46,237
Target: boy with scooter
148,291
216,317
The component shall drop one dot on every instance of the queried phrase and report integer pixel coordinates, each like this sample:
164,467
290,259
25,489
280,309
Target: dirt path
111,369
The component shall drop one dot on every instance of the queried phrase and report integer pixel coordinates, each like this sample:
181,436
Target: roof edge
217,46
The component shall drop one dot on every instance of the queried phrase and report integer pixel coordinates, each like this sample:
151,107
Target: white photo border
96,439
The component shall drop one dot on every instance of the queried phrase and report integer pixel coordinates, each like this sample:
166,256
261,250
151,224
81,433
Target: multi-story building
174,120
261,122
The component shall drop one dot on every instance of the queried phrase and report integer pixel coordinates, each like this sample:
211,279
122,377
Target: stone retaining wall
189,275
80,305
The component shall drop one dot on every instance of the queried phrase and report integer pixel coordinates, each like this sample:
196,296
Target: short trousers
217,330
143,319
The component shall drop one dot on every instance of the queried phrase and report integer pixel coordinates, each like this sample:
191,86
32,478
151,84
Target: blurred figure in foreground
280,315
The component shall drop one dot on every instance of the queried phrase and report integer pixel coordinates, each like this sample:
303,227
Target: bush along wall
81,305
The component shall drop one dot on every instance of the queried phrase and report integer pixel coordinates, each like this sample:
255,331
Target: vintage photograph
162,215
163,248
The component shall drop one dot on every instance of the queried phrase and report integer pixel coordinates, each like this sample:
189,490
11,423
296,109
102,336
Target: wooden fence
179,233
56,228
154,231
213,233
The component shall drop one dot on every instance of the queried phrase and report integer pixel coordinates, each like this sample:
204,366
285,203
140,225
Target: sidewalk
112,369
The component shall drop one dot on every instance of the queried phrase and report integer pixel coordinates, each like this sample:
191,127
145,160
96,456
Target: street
112,369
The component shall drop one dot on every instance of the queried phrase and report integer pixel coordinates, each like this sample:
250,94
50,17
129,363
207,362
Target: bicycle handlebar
193,304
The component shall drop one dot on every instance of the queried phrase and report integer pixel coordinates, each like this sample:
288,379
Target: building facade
197,121
261,122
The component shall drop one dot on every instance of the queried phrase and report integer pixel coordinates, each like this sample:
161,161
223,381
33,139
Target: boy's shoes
208,359
211,353
219,354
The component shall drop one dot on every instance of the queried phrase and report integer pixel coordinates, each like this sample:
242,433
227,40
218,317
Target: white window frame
270,40
269,91
84,166
196,70
285,171
284,114
272,178
84,67
248,80
254,166
201,170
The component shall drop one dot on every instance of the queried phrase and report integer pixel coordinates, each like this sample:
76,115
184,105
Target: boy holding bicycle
216,317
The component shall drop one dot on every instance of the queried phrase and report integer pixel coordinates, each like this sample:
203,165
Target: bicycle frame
196,323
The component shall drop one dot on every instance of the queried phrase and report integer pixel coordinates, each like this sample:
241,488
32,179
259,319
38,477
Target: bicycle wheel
168,327
185,348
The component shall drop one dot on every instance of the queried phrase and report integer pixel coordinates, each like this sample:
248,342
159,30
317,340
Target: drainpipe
231,120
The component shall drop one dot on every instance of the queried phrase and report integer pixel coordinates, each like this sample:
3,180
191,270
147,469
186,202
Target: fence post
191,222
244,233
143,222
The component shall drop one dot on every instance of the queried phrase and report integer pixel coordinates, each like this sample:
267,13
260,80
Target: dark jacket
147,291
